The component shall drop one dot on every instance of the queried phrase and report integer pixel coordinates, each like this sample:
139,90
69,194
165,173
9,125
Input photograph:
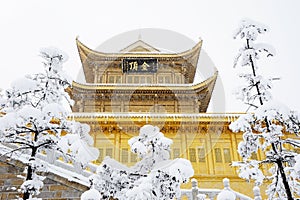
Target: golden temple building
141,85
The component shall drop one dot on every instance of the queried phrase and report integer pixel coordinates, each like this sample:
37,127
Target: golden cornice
180,117
183,87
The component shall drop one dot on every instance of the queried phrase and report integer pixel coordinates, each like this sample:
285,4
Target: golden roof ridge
148,46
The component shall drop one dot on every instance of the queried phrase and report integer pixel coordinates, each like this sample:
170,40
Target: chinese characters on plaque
139,65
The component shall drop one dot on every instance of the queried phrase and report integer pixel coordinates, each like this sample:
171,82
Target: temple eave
108,56
157,87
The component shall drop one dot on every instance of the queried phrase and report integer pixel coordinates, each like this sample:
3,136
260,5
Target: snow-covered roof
117,165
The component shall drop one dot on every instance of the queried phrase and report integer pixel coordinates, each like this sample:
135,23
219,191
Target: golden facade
141,85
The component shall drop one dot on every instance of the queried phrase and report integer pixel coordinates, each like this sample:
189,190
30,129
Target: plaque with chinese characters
139,65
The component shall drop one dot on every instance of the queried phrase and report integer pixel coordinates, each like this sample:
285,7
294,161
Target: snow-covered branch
35,114
155,177
269,126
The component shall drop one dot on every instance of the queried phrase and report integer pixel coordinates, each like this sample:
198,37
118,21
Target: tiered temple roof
169,83
187,60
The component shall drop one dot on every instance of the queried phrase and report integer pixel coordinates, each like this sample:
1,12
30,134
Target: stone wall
55,187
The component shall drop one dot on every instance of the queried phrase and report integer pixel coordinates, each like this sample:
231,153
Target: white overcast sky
26,26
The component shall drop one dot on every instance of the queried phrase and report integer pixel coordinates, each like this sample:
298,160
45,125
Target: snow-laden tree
270,127
34,121
154,177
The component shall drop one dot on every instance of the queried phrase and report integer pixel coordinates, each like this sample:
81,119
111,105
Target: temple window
114,79
118,79
109,152
129,79
111,79
139,79
227,156
167,79
99,79
160,79
218,155
133,157
178,79
124,156
201,154
136,79
100,158
176,153
149,80
192,153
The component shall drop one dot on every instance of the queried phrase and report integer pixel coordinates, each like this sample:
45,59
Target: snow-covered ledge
197,193
75,173
56,165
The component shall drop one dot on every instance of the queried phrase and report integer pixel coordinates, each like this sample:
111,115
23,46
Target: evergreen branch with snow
270,127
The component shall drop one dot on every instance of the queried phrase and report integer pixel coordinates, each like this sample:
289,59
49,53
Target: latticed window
201,154
111,79
124,156
100,79
218,155
129,79
192,153
167,79
160,79
109,152
118,79
149,80
176,153
227,156
178,79
133,157
136,79
100,158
